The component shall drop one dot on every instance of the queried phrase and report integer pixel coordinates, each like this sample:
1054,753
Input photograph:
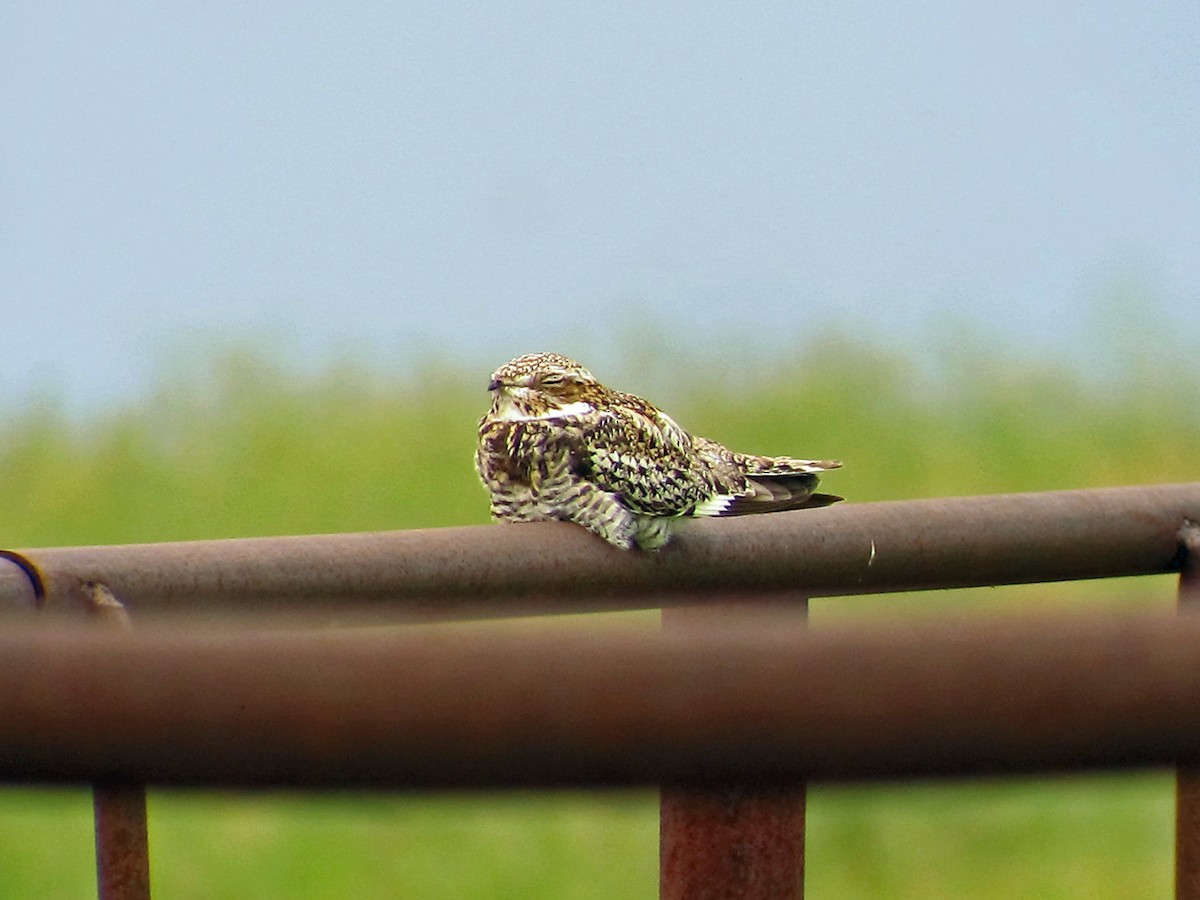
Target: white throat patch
511,412
578,408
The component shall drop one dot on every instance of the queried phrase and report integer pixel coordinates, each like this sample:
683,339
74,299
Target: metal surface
122,860
486,706
507,569
732,842
1187,782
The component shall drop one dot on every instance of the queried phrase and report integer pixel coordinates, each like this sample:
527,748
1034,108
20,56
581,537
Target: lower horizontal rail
484,707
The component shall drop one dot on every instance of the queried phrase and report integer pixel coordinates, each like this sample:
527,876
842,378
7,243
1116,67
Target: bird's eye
553,378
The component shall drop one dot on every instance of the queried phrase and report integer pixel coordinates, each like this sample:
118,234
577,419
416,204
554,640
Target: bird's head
542,386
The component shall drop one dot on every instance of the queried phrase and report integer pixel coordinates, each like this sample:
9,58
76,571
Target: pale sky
479,180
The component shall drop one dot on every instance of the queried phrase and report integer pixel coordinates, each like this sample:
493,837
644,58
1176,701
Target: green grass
1069,838
216,846
247,447
1094,837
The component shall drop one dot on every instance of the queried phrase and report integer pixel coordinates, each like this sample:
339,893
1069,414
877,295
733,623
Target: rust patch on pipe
732,844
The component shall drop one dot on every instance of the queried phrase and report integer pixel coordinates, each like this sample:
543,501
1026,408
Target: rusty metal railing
755,704
551,567
698,707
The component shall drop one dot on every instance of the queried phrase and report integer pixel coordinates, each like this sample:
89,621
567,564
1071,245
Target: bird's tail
754,466
777,483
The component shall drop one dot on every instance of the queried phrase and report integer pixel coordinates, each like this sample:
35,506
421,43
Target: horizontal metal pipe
540,706
547,567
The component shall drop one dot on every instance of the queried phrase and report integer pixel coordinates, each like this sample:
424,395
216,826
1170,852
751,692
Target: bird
556,444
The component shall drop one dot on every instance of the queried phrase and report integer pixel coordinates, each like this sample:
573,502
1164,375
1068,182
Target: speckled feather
557,444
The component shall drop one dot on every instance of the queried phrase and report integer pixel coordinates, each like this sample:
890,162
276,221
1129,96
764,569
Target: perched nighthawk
557,444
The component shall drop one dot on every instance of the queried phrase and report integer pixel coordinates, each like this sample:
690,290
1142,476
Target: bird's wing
644,458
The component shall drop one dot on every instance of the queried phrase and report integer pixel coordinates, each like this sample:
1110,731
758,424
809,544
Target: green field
245,446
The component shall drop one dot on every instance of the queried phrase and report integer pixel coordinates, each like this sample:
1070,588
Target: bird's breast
518,452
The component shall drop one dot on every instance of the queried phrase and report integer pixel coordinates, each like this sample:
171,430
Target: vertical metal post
119,811
731,843
122,861
1187,779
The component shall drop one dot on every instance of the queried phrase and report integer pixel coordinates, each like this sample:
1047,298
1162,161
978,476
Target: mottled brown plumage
557,444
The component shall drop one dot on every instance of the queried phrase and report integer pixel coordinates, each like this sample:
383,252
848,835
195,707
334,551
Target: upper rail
536,568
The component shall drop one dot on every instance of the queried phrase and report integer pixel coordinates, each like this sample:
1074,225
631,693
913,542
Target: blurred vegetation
248,446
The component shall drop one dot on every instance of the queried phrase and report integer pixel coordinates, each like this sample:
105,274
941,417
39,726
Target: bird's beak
494,384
